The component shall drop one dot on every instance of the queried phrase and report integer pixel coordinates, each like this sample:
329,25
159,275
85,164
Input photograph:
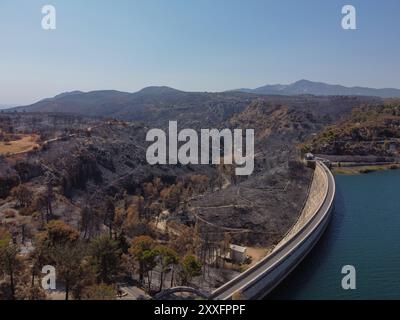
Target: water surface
364,232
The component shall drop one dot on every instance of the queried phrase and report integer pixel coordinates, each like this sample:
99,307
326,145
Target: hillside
370,133
251,206
152,105
87,160
158,105
90,175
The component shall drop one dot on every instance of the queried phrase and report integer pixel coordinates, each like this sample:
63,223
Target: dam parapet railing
259,280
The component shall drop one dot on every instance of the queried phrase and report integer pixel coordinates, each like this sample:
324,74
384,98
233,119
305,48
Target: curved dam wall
315,198
261,279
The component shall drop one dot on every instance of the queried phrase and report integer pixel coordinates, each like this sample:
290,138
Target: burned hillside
91,176
85,161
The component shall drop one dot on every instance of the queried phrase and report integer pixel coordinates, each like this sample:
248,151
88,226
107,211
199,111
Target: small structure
237,253
309,156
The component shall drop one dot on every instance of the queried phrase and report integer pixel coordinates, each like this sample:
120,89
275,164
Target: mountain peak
157,90
304,82
66,94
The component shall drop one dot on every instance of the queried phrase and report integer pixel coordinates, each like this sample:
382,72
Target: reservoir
364,232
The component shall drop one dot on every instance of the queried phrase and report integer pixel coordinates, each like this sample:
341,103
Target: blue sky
197,45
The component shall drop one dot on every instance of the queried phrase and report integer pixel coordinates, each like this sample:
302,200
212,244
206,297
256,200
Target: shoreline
363,169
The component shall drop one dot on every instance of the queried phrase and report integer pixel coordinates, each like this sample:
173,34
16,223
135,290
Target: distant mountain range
165,102
322,89
151,104
104,103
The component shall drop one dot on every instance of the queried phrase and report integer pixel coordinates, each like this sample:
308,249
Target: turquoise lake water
364,232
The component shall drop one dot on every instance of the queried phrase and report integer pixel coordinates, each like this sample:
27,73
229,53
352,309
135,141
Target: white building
237,253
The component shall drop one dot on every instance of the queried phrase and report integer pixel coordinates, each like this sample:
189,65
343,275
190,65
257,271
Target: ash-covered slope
109,160
259,210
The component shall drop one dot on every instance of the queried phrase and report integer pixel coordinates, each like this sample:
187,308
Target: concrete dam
262,278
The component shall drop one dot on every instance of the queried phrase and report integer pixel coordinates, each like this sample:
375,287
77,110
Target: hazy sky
199,45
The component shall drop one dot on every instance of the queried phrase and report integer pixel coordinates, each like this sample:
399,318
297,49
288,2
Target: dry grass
256,254
25,144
